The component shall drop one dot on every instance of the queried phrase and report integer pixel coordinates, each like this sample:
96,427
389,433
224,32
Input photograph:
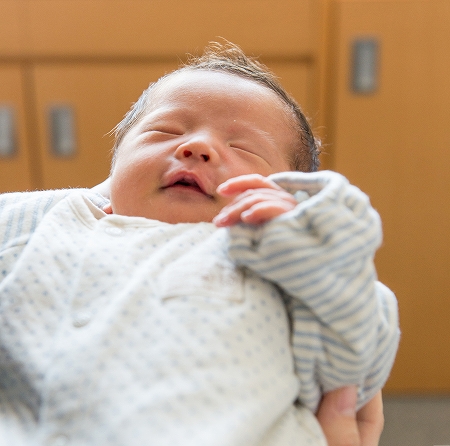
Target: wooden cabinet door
395,144
98,95
296,78
12,35
139,28
15,165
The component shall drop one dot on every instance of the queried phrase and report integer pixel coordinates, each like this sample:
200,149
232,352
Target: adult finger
337,416
370,421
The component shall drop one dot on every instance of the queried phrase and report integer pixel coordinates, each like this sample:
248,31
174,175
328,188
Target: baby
213,299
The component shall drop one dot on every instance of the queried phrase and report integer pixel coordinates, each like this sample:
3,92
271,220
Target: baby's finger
250,197
232,213
265,211
241,183
254,195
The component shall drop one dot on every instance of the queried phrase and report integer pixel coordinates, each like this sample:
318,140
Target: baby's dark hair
229,58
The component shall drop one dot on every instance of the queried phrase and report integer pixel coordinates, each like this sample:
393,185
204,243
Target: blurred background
372,75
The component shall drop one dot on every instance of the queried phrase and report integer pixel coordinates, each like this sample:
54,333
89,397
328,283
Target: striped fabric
21,212
345,322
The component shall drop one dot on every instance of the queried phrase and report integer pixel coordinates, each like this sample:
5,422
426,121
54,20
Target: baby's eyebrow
249,129
266,135
162,114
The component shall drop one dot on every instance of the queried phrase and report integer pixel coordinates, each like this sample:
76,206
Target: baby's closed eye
169,130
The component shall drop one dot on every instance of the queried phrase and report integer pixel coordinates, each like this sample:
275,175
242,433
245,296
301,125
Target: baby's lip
188,180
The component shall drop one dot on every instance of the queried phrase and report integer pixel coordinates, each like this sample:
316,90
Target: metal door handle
62,130
7,132
365,65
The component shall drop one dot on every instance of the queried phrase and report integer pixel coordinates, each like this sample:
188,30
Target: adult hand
343,426
256,200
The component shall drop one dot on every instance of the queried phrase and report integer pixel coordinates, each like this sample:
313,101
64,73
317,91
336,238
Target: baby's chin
192,216
167,215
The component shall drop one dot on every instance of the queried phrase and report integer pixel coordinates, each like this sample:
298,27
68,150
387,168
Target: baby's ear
108,209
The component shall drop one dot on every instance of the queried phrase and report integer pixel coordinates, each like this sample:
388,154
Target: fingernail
222,185
346,402
219,219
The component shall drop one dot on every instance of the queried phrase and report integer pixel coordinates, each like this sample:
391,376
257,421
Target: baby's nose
187,153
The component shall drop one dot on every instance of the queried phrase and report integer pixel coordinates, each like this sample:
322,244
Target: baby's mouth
188,183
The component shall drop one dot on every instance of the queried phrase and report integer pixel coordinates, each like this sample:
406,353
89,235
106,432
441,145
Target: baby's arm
22,212
320,252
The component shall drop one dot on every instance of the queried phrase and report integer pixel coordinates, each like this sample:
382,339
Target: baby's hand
257,200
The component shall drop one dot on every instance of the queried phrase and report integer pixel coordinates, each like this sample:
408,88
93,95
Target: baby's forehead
201,76
202,84
202,81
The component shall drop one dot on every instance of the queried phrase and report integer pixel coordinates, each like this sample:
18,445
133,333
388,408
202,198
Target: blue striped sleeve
21,212
345,323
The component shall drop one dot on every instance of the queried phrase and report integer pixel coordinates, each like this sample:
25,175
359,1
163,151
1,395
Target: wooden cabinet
394,143
95,57
12,36
99,95
158,28
15,160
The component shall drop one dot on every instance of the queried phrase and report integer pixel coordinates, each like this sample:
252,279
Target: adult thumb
337,416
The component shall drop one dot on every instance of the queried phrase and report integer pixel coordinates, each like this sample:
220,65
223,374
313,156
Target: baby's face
202,128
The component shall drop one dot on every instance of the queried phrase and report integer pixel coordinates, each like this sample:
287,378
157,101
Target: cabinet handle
365,65
7,132
62,130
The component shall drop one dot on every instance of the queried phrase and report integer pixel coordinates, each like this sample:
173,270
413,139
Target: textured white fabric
121,330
